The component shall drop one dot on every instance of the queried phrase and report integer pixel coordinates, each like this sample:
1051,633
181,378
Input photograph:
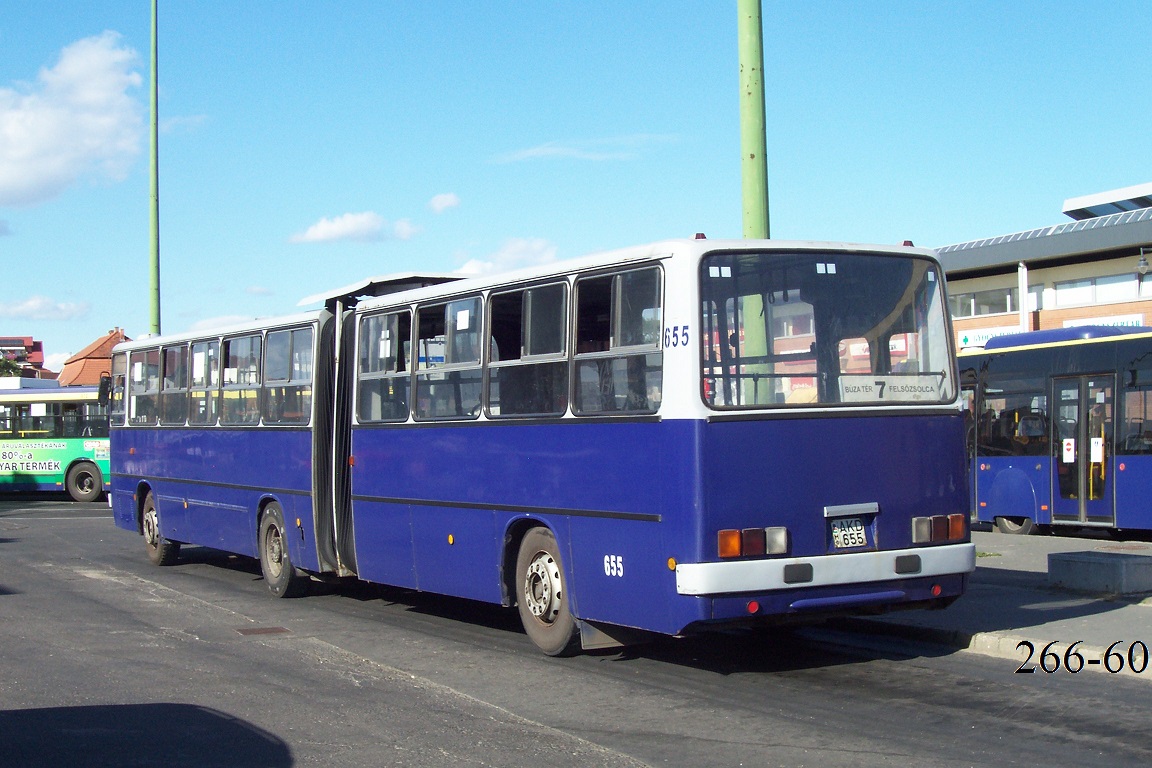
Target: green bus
53,438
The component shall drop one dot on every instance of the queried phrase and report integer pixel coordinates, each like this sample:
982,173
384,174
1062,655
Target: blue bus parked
664,438
1060,429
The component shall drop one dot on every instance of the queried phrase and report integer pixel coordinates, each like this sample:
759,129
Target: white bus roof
658,250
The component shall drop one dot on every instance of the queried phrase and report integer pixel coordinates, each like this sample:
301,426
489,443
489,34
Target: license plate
848,532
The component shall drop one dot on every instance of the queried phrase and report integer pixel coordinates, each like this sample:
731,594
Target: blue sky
306,145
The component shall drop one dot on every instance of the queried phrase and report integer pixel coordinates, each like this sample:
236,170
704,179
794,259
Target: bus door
1082,450
968,400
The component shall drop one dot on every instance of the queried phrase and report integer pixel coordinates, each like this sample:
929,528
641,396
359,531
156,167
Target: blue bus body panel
432,506
1013,486
414,488
1133,486
785,472
209,484
426,512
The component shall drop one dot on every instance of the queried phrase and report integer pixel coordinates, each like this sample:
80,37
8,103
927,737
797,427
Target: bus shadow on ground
732,650
170,735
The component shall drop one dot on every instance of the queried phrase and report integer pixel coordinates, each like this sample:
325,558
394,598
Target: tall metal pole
154,218
753,140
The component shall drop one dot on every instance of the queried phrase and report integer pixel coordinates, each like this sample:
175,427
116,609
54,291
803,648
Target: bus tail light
752,542
777,540
929,530
957,526
728,543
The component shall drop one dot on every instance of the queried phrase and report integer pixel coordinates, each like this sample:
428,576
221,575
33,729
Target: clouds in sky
43,308
364,227
78,119
441,203
370,226
515,253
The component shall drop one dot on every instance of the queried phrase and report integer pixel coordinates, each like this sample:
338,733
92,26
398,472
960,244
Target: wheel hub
149,524
542,588
275,551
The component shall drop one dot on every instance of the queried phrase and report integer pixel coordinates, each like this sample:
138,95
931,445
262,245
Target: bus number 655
676,336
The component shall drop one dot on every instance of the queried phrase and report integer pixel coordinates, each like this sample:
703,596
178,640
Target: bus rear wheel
542,598
83,482
160,550
275,563
1020,526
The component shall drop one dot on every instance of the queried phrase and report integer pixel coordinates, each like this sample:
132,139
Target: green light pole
154,195
754,174
753,141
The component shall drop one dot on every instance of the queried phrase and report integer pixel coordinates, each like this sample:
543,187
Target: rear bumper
770,575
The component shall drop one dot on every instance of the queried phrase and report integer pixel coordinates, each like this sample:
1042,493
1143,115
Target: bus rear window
797,329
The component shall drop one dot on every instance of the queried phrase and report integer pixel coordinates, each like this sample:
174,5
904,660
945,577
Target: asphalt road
109,661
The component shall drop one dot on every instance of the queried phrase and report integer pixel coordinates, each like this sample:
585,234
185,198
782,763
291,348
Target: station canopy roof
1106,203
1122,230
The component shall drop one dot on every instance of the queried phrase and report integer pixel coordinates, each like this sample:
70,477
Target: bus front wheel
1020,526
275,563
83,482
542,598
161,551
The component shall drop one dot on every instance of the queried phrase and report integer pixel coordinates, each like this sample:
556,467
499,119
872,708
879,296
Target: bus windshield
810,328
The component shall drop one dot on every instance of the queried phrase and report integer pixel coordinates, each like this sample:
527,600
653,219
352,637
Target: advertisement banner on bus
47,457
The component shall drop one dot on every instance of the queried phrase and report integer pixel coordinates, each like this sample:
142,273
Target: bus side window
241,394
288,377
144,387
449,373
528,369
203,399
174,396
116,404
618,356
1137,420
385,343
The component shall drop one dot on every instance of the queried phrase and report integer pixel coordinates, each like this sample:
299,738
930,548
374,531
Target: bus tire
160,550
83,481
1019,526
542,597
283,579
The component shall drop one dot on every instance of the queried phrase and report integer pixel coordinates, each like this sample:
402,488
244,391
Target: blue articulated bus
661,439
1060,429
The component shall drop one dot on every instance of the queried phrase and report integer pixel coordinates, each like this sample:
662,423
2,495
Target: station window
618,358
448,374
241,394
528,370
288,376
385,370
993,301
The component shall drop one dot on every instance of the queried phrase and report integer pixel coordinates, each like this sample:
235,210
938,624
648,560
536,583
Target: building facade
1093,270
